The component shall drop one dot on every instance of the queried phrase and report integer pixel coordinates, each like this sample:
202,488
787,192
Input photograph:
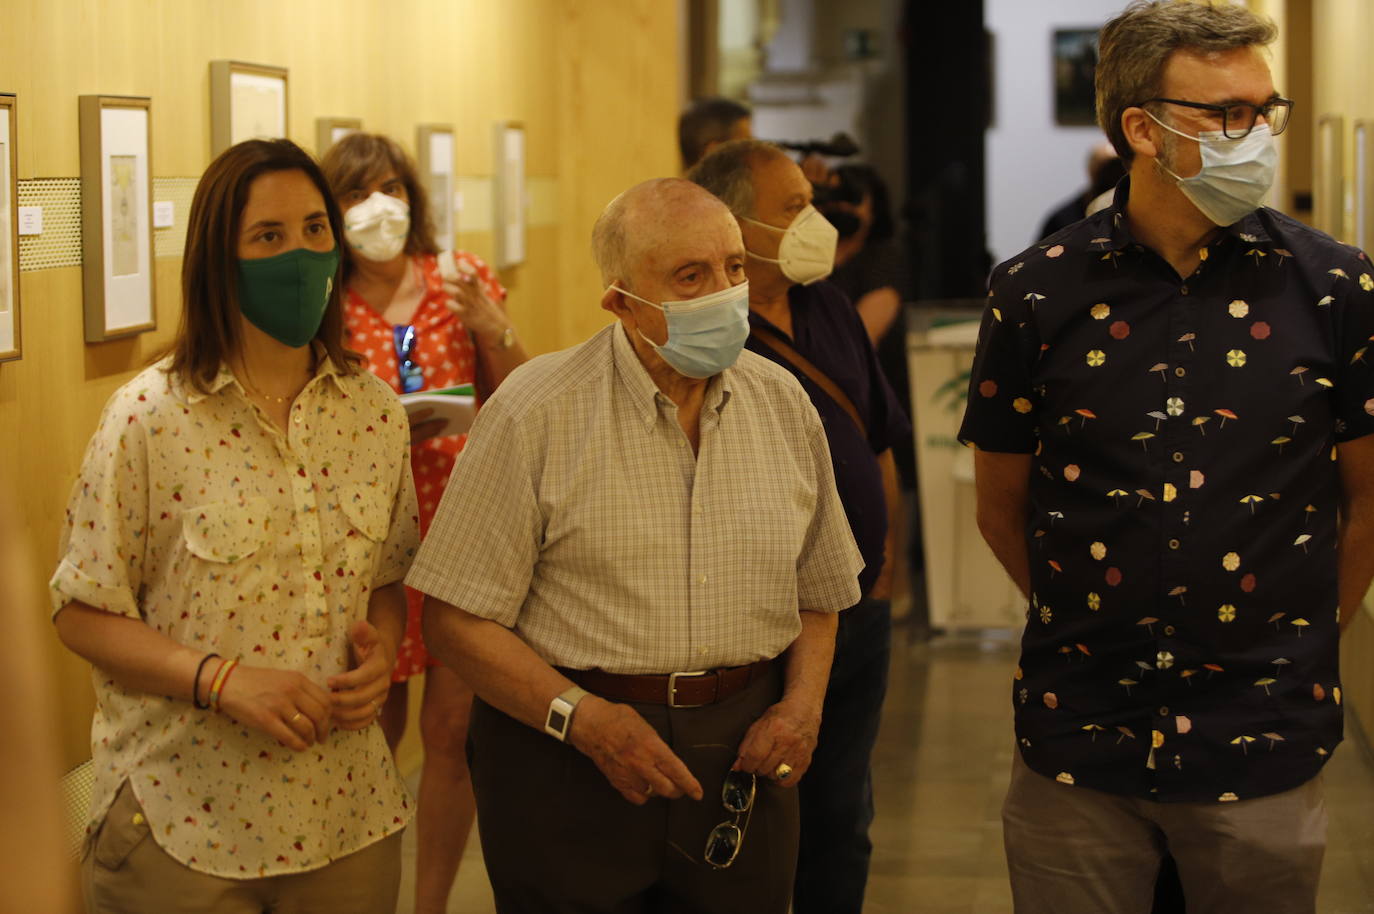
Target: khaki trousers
1071,850
125,872
557,837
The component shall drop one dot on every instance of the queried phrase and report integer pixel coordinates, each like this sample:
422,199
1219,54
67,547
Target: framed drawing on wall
1328,204
116,216
434,155
508,194
329,130
11,343
1075,69
247,101
1364,184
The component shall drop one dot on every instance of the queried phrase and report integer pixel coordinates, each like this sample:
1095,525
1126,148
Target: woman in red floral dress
425,319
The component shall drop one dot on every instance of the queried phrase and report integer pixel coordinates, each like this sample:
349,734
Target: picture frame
1363,131
434,146
247,101
1328,202
508,193
116,216
329,130
1074,55
11,337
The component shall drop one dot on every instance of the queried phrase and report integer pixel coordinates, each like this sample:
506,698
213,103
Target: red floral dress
446,355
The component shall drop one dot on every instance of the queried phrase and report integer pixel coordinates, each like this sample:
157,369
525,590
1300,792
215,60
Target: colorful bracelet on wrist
221,677
195,683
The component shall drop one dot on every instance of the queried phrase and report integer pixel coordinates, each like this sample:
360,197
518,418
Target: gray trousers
1072,850
558,839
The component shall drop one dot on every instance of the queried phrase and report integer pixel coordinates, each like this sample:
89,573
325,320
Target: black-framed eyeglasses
737,796
412,376
1239,118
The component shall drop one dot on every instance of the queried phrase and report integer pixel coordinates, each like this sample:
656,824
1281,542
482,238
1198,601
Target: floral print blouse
1181,642
196,514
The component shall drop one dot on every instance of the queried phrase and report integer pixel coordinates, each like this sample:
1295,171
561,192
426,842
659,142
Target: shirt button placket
1179,445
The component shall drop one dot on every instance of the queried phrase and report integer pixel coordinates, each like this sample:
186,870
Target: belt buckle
672,688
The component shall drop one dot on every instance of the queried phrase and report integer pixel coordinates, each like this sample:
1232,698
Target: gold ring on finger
649,791
782,772
295,717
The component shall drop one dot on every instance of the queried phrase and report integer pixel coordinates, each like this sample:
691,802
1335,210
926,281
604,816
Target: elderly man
811,329
637,565
1172,408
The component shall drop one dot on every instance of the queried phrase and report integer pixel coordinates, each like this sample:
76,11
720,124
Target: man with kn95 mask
811,329
1207,355
637,566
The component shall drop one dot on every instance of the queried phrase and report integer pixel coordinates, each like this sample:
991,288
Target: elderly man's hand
629,752
784,735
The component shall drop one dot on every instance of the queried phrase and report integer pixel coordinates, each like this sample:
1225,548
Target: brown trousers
125,872
1071,850
557,837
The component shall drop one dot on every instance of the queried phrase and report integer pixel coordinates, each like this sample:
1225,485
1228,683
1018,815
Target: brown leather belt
676,690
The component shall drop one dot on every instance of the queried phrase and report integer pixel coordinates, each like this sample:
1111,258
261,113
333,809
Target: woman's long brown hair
209,331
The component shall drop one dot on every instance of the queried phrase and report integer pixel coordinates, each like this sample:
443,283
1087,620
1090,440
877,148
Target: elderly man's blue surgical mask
705,334
1235,175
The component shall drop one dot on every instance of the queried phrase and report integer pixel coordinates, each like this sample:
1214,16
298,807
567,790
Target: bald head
660,220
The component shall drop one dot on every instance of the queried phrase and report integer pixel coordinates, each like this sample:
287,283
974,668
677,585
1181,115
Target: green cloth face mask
285,295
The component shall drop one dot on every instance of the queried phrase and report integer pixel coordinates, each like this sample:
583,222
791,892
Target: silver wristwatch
559,720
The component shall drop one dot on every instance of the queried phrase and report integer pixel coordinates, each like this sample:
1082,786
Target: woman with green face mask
232,568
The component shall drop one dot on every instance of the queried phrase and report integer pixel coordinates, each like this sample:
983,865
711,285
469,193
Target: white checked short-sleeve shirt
579,517
197,515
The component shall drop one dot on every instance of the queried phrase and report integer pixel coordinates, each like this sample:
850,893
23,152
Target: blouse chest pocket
368,510
226,532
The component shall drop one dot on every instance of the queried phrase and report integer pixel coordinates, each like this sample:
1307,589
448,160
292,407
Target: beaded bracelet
221,677
195,683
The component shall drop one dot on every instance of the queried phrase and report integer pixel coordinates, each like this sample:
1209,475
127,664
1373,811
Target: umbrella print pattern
1265,357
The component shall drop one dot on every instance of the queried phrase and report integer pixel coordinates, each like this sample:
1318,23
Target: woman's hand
422,427
359,694
284,704
485,319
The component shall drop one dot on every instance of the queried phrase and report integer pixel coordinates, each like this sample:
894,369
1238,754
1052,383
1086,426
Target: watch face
558,721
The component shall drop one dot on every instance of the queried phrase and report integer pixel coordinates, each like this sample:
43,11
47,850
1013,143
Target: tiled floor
941,769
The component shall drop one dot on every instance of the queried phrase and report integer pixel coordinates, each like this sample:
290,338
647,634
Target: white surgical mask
705,334
377,228
807,250
1236,174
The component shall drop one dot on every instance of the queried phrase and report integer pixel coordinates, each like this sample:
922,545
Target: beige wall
594,81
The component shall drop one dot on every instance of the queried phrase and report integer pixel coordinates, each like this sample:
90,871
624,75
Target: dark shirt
1181,642
877,265
880,265
1065,214
827,331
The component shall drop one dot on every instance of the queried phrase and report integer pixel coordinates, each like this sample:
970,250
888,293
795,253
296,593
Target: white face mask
1236,174
377,228
807,250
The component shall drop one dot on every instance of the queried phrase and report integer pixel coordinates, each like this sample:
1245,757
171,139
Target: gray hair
1135,46
728,172
610,240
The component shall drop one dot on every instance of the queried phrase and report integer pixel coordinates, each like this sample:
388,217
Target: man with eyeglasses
1173,408
637,565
